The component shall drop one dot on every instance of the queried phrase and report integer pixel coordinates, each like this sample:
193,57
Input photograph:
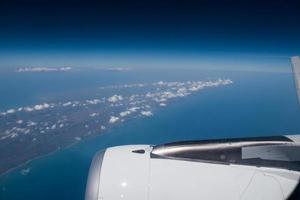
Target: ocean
256,104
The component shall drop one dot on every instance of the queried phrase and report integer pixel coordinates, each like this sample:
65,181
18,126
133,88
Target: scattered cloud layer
44,69
46,118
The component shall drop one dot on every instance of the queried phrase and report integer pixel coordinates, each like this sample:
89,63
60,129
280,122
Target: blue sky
222,34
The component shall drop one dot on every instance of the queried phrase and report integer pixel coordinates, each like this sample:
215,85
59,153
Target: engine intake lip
92,187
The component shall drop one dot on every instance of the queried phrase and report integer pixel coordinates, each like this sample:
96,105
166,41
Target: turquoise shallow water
256,104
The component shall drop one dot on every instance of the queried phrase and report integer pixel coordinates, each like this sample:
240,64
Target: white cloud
160,83
147,113
160,99
53,127
28,109
182,92
94,114
125,113
115,98
168,95
67,103
36,107
19,121
119,69
93,101
124,86
113,119
150,95
227,81
31,123
10,111
13,135
41,106
133,109
195,88
44,69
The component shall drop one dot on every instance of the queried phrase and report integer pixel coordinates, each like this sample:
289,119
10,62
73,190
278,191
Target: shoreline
53,152
36,158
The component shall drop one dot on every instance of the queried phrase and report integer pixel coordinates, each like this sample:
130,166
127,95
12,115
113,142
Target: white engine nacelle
252,168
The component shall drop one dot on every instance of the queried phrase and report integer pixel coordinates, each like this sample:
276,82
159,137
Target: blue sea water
257,104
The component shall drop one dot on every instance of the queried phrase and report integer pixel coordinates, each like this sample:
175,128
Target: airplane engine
250,168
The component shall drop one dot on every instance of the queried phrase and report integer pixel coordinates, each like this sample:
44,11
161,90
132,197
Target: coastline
36,158
57,150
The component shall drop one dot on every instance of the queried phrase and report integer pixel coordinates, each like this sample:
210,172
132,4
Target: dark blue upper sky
63,29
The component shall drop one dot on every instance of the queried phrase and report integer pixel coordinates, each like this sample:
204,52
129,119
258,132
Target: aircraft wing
296,72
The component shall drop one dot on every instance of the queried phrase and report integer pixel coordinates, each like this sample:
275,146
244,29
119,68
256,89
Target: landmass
33,131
